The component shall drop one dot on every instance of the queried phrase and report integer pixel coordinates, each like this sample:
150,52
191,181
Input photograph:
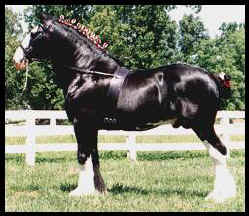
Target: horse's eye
33,35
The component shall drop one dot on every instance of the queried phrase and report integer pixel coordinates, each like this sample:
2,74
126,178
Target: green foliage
79,12
226,54
140,36
136,33
13,79
12,26
192,32
41,90
228,28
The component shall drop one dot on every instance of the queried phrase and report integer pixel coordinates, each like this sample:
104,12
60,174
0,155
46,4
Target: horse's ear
44,17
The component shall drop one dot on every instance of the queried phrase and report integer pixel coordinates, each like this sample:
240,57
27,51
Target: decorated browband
84,30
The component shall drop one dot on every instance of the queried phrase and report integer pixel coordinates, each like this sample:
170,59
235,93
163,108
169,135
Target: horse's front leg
98,180
87,141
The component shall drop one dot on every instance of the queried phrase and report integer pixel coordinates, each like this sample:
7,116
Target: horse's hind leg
224,185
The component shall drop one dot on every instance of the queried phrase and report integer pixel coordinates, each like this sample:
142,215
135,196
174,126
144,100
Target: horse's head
35,45
65,44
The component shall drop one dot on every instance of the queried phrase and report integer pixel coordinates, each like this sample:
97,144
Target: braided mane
84,31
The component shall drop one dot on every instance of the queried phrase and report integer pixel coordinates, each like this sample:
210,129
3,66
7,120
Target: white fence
225,129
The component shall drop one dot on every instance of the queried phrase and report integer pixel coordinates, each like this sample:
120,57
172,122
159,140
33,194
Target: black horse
100,94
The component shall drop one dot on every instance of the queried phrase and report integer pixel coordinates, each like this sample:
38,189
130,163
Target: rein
26,79
92,72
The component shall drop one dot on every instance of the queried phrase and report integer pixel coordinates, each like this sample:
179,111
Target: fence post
30,140
131,143
53,122
224,121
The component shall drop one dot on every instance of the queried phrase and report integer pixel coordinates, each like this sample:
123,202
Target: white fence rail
31,130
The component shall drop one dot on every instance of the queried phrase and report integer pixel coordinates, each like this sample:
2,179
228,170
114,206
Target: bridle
28,50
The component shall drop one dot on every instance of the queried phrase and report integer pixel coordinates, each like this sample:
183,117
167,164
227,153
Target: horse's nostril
22,65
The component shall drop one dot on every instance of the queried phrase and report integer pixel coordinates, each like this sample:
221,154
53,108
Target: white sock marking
19,55
86,180
224,185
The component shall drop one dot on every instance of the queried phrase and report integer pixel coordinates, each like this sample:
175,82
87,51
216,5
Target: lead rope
26,105
26,79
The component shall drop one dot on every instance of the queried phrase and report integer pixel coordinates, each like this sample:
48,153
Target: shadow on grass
49,160
40,158
153,155
25,188
170,155
67,187
21,159
120,188
15,157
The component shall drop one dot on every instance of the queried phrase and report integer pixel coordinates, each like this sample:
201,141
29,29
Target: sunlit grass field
115,139
158,181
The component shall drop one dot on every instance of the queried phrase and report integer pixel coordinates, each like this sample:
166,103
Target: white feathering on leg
86,180
224,185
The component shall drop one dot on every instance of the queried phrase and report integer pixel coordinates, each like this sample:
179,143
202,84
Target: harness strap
84,71
116,84
111,119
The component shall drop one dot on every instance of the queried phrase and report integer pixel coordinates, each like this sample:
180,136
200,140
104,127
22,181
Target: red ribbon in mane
83,30
227,83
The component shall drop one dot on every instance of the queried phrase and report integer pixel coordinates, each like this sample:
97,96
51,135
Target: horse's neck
69,54
84,57
65,75
105,64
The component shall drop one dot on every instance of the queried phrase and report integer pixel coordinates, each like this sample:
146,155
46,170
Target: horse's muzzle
22,65
19,59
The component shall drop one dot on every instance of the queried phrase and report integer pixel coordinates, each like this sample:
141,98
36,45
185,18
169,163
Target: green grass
168,181
114,139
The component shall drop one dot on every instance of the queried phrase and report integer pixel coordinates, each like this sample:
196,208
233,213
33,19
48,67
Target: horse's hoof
219,197
78,192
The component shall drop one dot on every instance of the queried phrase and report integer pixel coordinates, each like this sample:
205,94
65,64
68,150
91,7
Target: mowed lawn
116,139
158,181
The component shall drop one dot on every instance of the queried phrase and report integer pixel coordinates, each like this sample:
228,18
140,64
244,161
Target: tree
191,33
228,28
41,91
79,12
232,41
143,36
226,54
13,80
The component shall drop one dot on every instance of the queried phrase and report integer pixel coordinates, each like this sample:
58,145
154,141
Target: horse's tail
224,85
